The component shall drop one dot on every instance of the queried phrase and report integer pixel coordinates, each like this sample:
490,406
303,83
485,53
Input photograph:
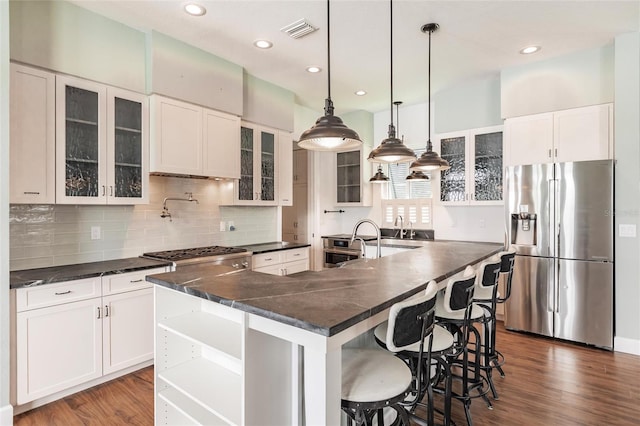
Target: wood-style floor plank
547,382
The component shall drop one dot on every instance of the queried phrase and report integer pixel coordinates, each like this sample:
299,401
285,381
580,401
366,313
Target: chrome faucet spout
165,210
354,234
395,223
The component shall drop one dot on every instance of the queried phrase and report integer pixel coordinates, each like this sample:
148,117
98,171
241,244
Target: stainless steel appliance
238,258
338,249
560,221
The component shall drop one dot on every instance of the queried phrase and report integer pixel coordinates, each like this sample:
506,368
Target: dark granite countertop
54,274
274,246
332,300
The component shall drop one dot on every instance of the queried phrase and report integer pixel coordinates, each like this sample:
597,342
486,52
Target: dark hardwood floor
547,383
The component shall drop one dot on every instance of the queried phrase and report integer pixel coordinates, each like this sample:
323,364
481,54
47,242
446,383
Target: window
400,188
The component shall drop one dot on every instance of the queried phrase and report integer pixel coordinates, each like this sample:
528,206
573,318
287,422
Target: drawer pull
31,193
98,312
62,292
297,254
268,259
106,311
136,281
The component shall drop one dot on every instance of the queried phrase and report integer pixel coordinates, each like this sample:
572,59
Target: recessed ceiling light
360,92
314,69
194,9
529,50
262,44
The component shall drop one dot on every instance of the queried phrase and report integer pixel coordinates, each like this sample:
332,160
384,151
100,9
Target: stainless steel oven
337,250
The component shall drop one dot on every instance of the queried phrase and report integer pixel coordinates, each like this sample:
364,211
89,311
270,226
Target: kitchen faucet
401,225
165,210
354,234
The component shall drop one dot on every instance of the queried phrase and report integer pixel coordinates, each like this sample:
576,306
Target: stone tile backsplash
52,235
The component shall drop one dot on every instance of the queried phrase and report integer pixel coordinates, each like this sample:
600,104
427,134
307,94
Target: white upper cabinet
101,144
285,168
475,157
353,172
578,134
191,140
32,136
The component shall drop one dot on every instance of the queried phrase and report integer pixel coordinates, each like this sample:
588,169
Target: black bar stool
507,262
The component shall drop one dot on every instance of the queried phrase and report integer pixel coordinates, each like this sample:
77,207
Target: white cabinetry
475,157
283,262
285,168
101,144
191,140
32,136
72,332
578,134
353,172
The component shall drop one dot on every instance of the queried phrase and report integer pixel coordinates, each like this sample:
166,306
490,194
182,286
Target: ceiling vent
298,29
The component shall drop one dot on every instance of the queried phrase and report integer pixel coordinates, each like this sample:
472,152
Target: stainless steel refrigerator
559,218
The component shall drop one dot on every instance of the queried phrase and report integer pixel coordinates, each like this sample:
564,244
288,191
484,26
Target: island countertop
330,301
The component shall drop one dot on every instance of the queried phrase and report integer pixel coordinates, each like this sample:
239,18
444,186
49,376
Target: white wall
580,79
627,192
49,235
6,411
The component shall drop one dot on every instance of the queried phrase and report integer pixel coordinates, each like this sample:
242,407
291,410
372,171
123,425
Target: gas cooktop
192,253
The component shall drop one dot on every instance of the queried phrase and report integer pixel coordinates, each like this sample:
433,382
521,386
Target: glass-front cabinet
258,153
102,144
352,177
475,157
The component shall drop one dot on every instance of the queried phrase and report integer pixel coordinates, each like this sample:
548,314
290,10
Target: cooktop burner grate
193,253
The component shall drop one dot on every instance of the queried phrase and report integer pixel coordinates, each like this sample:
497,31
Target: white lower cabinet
70,333
284,262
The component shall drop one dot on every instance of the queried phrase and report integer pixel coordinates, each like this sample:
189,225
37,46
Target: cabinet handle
549,152
31,193
268,259
106,311
295,224
295,237
556,151
136,281
62,292
104,190
110,190
297,254
99,313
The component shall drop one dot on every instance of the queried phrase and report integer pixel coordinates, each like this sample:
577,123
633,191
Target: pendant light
391,150
329,133
379,177
417,175
429,160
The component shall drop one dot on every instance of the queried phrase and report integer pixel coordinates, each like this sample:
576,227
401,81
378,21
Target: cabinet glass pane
488,167
452,181
245,186
348,177
81,144
268,167
128,148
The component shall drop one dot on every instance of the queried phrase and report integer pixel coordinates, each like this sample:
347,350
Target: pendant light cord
429,97
391,60
328,51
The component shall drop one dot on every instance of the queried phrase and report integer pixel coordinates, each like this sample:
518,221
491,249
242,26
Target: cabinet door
81,149
295,267
32,136
529,139
453,182
127,147
266,172
57,348
348,177
127,329
582,134
285,169
277,269
246,185
221,145
486,177
177,137
300,166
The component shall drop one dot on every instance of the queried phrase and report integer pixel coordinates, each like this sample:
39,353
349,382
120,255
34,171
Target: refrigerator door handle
552,215
556,281
551,274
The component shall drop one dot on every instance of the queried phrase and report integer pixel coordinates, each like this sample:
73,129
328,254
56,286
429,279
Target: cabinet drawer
296,254
266,259
56,294
295,267
118,283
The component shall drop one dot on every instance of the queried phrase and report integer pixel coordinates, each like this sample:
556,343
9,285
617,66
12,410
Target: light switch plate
223,226
95,233
627,230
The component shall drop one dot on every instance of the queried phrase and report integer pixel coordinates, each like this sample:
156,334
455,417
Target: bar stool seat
441,312
442,339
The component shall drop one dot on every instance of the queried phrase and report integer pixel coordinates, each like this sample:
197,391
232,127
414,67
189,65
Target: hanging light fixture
329,133
418,175
379,177
391,150
429,160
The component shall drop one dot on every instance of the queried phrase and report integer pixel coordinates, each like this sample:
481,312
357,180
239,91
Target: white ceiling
476,38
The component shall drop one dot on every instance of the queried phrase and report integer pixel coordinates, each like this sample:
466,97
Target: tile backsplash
50,235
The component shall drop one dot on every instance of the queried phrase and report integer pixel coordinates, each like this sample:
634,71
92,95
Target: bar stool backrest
459,292
490,272
508,259
412,320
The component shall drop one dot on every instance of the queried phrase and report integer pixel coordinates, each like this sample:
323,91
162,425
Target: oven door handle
345,252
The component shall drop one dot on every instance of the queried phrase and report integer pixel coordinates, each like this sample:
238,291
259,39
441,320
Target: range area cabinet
32,136
578,134
353,172
71,333
191,140
283,262
476,172
102,144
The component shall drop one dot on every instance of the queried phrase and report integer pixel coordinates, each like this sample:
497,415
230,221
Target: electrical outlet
95,233
223,226
627,230
482,223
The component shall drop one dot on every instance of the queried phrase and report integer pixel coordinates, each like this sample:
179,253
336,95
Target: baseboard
6,415
629,346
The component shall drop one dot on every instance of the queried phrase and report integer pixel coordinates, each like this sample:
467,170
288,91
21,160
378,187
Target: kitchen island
227,342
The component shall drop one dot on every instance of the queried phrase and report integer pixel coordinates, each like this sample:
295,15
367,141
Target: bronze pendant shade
417,175
329,133
379,177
